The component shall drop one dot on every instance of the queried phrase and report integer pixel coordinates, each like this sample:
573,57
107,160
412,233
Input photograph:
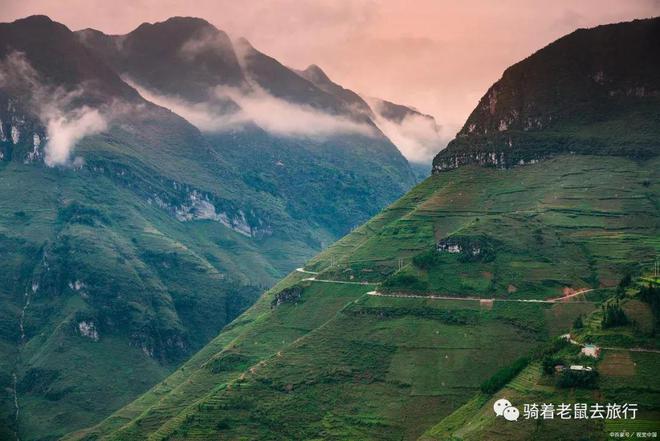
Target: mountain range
155,185
152,186
594,91
529,250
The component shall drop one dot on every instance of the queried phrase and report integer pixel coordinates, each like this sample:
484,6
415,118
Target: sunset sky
438,56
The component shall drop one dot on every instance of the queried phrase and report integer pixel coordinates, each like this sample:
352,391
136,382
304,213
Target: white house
591,351
579,367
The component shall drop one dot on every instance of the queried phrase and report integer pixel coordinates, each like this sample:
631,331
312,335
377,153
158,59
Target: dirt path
344,282
472,299
653,351
304,271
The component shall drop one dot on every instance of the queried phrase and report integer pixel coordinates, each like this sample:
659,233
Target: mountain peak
242,44
182,56
570,96
315,74
37,19
55,53
179,22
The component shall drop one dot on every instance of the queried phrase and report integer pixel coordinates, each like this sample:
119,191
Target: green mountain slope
333,182
626,370
121,263
329,360
98,272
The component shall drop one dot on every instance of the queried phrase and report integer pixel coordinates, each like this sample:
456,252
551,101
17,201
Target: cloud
417,136
65,122
274,115
206,116
433,55
66,130
284,118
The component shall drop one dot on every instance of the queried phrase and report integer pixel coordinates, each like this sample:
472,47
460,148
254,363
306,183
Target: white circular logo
511,414
500,405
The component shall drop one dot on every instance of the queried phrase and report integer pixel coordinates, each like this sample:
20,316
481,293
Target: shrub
407,282
578,323
613,316
651,294
549,364
427,259
503,376
582,379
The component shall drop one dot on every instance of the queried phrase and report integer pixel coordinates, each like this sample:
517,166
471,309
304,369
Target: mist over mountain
228,86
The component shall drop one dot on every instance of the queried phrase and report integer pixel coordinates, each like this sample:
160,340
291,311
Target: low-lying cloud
417,136
284,118
67,129
65,123
274,115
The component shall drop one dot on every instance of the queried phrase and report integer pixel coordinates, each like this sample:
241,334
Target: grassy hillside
380,337
626,374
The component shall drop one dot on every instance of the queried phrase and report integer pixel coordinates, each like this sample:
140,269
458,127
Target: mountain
352,100
415,323
193,56
413,132
584,93
328,162
129,237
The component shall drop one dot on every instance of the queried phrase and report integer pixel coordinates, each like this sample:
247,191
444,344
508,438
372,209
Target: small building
560,368
579,367
591,351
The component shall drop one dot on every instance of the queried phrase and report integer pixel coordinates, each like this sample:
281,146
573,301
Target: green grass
624,377
574,225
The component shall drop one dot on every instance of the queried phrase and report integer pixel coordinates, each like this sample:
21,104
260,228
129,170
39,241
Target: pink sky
438,56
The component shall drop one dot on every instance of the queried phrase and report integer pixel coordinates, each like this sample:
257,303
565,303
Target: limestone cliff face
594,91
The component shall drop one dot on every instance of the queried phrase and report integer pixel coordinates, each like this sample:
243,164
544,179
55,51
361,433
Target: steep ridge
193,56
129,237
320,357
398,324
314,74
584,93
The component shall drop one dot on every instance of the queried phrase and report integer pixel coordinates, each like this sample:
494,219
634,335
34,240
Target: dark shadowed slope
594,91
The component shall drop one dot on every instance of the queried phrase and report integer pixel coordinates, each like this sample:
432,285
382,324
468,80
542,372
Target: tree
578,323
613,316
549,364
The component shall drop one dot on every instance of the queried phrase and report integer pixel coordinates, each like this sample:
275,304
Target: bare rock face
576,95
288,295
